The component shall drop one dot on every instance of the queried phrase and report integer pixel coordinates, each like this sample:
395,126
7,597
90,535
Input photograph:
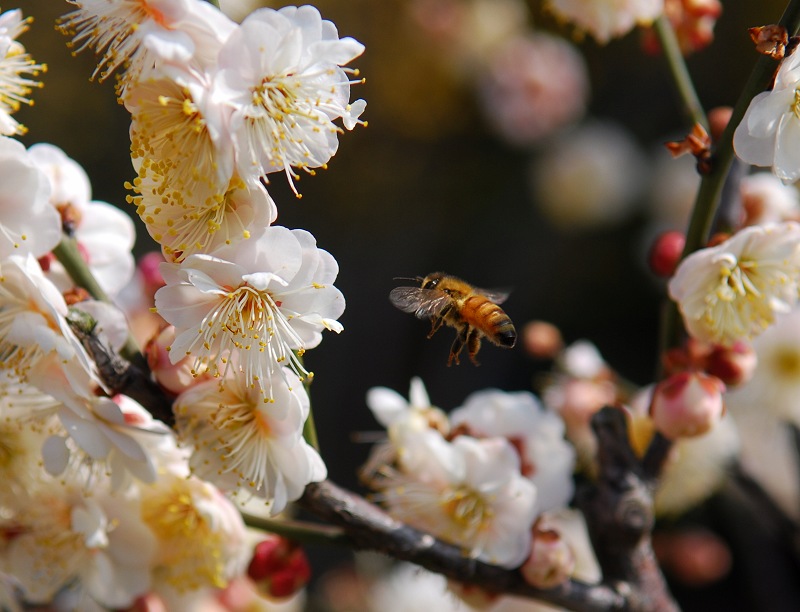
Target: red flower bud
279,568
665,254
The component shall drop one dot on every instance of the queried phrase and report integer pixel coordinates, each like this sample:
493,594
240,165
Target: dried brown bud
770,40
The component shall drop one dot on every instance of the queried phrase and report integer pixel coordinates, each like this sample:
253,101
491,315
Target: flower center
786,363
467,509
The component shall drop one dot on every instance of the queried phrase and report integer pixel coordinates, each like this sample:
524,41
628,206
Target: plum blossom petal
734,290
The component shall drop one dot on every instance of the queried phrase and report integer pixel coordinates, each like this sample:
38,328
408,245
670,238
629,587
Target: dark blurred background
429,186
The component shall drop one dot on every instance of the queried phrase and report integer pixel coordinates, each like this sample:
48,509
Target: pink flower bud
279,568
551,561
173,378
733,365
687,404
666,253
542,340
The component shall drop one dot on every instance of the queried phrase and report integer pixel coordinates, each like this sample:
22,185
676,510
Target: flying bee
473,312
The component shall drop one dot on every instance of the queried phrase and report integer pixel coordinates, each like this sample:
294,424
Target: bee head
430,281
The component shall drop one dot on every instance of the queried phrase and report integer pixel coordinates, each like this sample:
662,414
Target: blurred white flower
409,588
241,443
533,85
105,234
141,36
201,536
536,433
258,301
775,384
16,69
695,468
28,223
589,177
766,199
769,133
733,291
101,541
390,408
468,492
606,19
280,72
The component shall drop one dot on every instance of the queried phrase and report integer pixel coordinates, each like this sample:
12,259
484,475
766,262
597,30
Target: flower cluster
477,479
101,498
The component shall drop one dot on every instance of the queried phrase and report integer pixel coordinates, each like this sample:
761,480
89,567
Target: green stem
708,194
70,257
305,533
679,71
309,429
214,2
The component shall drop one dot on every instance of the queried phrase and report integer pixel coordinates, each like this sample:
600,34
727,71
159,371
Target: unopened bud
542,340
174,378
687,404
733,365
279,568
149,269
666,253
551,561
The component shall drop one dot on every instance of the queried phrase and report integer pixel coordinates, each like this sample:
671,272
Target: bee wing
423,303
496,295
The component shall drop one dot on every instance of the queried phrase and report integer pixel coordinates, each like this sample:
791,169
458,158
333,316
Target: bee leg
458,345
436,323
474,345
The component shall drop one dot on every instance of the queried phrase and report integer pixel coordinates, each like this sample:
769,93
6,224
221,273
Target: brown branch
370,528
619,514
120,375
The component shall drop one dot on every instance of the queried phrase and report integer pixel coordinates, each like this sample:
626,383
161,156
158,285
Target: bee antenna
408,278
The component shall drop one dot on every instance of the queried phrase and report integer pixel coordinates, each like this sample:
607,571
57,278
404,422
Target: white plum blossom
180,138
734,290
105,235
99,540
241,443
537,434
606,19
141,36
767,199
16,69
254,304
468,492
33,324
28,223
769,133
201,536
186,229
391,409
281,73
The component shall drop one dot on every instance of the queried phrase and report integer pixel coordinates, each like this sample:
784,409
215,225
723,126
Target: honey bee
473,312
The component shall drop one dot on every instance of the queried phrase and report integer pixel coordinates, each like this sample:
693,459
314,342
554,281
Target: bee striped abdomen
479,311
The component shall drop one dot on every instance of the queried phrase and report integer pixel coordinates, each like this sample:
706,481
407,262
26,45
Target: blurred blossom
693,22
589,177
581,385
734,290
606,19
687,404
672,190
775,385
239,9
409,588
695,468
105,234
533,85
467,31
766,199
551,561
